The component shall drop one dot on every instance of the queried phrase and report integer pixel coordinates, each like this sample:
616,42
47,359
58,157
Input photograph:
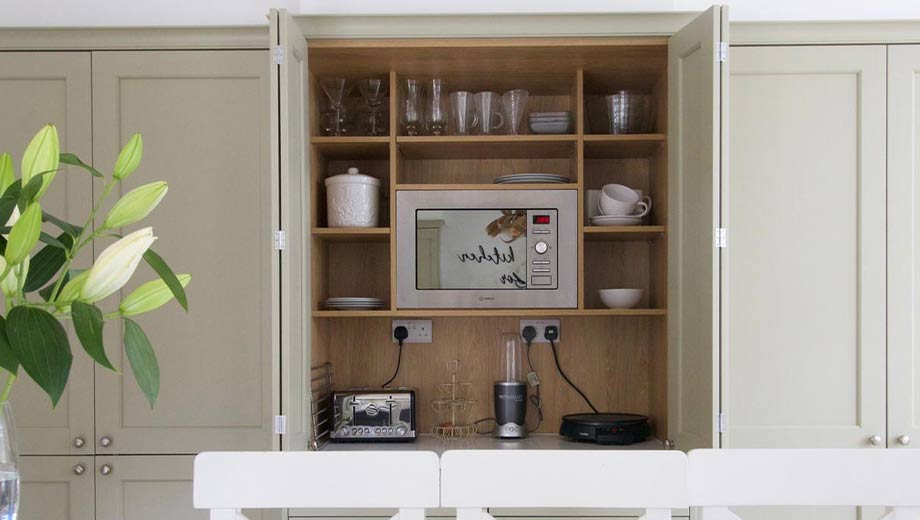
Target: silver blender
510,393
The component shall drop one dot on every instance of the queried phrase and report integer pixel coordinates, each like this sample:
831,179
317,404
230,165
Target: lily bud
10,284
115,265
135,205
71,289
129,158
150,296
24,234
42,156
7,175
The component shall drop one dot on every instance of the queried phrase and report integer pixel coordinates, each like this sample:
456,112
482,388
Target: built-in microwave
487,248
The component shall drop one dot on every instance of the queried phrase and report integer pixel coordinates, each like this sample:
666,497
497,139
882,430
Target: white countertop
428,442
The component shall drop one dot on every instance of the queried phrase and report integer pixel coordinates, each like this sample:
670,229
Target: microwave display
476,248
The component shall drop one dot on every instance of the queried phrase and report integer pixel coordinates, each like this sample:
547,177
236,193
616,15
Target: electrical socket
541,325
419,330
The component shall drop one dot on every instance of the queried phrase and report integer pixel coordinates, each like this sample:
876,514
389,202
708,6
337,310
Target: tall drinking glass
410,113
436,108
514,102
462,115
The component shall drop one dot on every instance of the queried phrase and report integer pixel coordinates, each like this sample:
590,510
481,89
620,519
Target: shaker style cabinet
41,88
804,310
204,119
903,252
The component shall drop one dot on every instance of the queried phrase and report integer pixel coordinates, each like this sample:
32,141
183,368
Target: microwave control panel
542,253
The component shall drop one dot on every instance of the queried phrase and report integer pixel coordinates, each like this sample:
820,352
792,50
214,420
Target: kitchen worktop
427,442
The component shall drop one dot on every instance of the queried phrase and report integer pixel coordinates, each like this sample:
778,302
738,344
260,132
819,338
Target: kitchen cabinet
61,488
41,88
903,254
669,356
804,358
205,131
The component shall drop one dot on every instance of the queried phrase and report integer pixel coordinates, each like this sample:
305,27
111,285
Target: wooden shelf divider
622,146
352,234
528,146
624,233
490,313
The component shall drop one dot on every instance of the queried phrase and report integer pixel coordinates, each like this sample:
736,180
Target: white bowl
620,298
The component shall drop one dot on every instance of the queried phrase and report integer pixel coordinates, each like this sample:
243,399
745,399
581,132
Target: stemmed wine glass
373,90
336,89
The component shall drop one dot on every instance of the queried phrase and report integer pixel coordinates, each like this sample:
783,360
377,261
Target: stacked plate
616,220
532,178
550,122
349,303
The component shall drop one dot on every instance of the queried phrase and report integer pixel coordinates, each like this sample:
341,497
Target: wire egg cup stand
454,402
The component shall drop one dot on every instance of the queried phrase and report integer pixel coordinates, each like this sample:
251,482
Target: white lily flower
116,264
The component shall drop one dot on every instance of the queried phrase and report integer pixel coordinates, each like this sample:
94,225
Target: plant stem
78,241
5,396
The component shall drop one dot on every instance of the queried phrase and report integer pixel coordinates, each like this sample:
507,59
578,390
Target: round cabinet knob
875,440
79,469
105,442
541,247
903,440
79,442
668,444
105,469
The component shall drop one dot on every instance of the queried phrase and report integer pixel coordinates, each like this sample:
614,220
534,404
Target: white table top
543,441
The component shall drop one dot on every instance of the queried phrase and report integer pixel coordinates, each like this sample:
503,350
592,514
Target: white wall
63,13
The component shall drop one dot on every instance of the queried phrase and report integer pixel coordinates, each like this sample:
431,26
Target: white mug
616,199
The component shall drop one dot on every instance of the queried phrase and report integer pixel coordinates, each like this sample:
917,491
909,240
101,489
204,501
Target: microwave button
542,269
541,232
541,280
541,247
540,262
401,430
343,431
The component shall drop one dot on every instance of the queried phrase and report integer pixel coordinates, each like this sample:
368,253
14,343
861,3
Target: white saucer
616,220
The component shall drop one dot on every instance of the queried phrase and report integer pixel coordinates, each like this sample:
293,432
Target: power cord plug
400,333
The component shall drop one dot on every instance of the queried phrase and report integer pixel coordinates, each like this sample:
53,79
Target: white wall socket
541,325
419,330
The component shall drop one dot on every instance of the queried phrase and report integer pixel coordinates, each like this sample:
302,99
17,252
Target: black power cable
400,333
552,334
529,333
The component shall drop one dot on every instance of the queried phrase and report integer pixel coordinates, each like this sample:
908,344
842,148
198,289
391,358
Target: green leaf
9,201
7,175
159,265
143,361
53,242
88,322
40,343
45,264
8,360
69,158
30,190
71,229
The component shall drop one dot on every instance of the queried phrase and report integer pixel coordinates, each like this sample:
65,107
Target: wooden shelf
424,187
490,313
624,233
359,147
623,146
487,146
352,234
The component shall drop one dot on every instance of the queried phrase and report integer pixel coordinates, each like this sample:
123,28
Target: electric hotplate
606,428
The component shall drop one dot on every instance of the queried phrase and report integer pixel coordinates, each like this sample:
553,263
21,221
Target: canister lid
352,177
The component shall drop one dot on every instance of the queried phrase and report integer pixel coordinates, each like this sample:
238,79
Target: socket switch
419,330
541,325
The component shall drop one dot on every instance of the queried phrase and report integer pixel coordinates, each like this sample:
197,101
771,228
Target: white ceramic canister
352,200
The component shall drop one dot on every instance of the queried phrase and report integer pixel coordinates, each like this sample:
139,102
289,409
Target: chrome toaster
374,415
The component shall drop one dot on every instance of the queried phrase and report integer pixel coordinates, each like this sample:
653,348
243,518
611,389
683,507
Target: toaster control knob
401,430
541,247
343,431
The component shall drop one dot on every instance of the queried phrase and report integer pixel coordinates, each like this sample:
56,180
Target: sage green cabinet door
903,252
204,120
150,488
58,488
38,88
803,361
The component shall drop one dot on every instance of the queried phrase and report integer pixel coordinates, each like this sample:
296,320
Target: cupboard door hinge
721,238
277,55
280,425
280,240
721,423
722,52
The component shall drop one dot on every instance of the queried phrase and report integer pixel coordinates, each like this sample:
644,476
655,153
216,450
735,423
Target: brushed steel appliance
510,393
386,415
487,249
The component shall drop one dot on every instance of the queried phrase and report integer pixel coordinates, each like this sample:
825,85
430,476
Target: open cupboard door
289,190
695,131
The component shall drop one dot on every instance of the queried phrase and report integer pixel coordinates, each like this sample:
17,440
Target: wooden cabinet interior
619,357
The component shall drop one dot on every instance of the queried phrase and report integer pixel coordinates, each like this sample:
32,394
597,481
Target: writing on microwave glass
471,248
